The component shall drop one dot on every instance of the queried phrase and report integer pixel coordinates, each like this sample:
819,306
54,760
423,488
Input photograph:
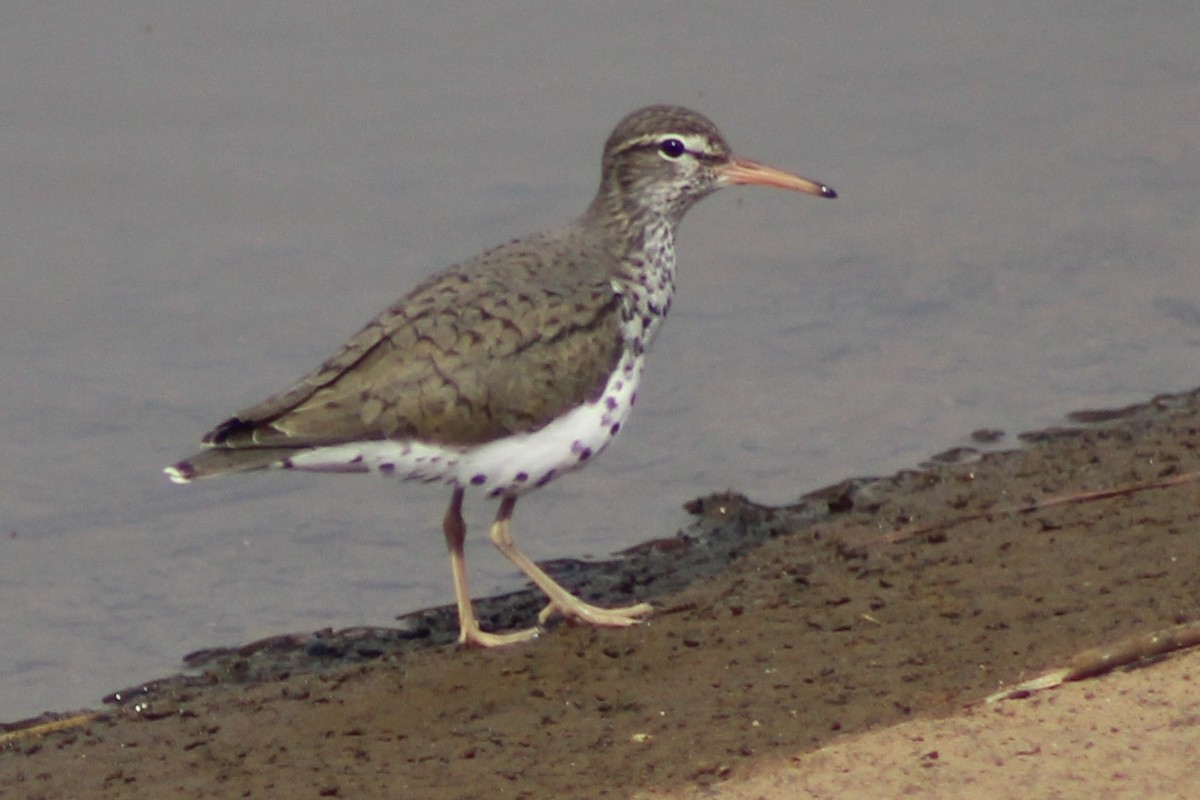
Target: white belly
507,466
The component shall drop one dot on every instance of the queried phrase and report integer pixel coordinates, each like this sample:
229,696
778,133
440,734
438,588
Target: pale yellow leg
561,601
469,632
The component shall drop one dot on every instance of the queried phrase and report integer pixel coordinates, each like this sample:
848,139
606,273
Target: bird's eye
672,148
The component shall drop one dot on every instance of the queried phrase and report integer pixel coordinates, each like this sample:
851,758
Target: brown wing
496,345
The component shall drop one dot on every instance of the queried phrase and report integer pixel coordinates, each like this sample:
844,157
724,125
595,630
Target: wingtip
220,434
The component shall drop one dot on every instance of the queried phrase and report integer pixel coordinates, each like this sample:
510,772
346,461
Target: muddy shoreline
780,631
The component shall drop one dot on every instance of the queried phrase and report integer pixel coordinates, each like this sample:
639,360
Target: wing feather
498,344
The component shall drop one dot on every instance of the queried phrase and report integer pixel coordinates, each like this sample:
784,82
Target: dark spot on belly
387,468
585,454
287,463
611,403
614,429
549,476
478,480
358,459
521,477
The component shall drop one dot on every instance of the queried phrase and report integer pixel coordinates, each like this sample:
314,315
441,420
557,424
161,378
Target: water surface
200,203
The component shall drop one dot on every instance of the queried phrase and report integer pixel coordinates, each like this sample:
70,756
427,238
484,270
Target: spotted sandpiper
508,370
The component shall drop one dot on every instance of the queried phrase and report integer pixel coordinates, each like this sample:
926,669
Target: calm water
199,203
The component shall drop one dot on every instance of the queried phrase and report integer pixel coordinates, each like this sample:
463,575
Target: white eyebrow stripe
695,143
692,142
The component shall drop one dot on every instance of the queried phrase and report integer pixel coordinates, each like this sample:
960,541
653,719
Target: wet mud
779,631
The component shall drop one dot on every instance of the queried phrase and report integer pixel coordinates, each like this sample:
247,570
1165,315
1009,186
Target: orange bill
745,171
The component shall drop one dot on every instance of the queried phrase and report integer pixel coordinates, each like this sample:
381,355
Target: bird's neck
643,271
640,236
648,278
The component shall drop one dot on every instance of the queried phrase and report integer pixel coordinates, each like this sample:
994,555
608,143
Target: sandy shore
1124,735
844,646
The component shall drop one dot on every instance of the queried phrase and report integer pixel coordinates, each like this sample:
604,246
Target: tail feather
223,460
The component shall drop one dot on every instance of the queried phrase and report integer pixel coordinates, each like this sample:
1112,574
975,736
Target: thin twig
1078,497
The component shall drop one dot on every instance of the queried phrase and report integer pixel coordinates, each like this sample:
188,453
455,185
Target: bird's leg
469,632
561,600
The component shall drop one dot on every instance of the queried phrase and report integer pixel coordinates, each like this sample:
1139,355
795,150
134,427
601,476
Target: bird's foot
473,636
579,611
